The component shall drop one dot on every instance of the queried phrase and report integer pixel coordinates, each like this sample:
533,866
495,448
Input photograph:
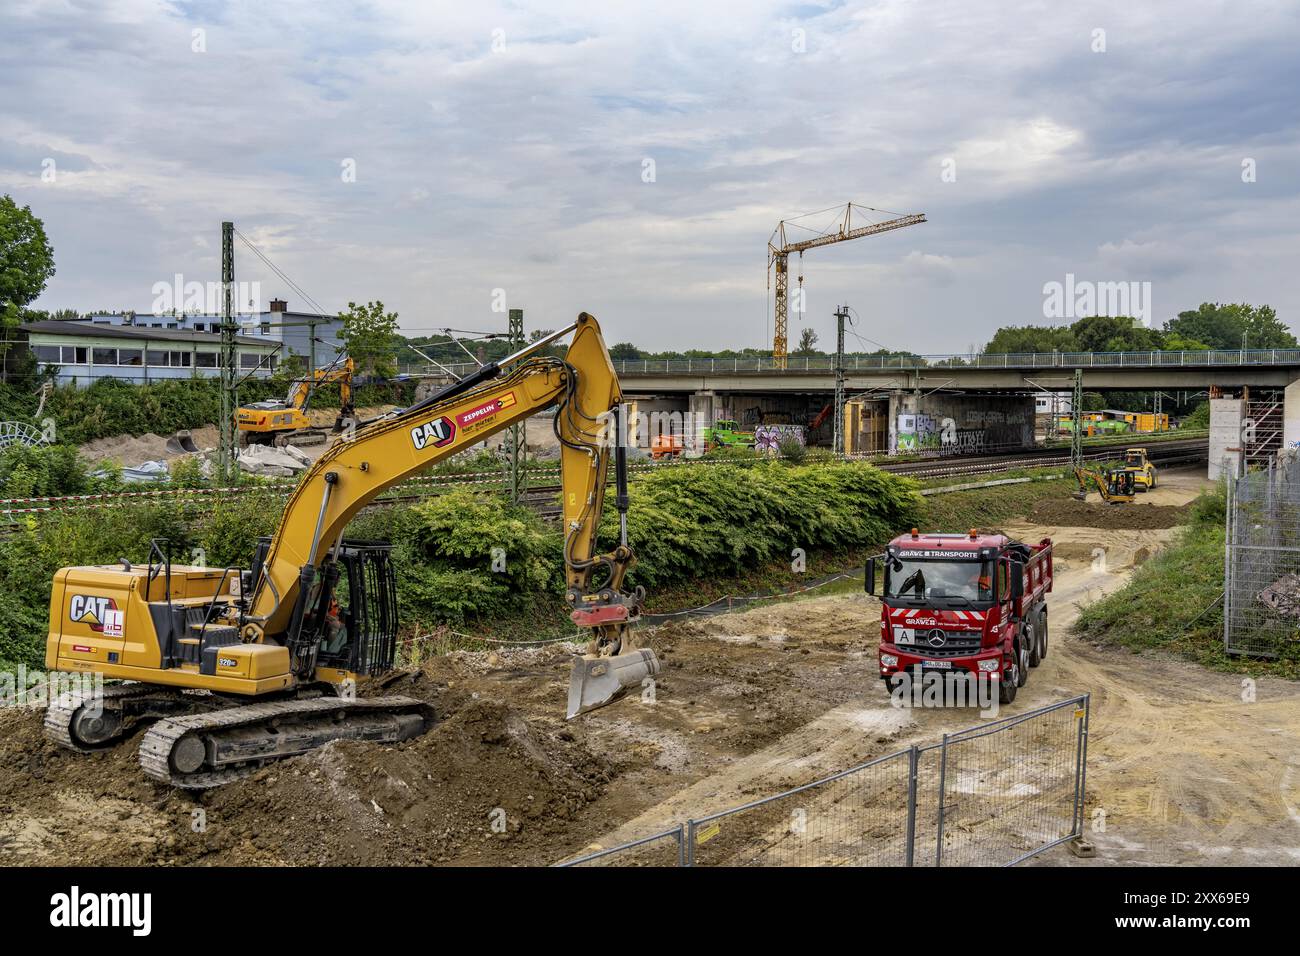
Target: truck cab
962,603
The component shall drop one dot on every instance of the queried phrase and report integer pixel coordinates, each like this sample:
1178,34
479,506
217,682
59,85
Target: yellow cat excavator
239,667
1114,485
286,422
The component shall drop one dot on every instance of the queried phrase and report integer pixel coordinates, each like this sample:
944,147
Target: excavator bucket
597,681
181,442
1080,495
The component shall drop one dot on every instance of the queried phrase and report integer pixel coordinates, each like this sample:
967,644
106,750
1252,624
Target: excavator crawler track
122,705
199,751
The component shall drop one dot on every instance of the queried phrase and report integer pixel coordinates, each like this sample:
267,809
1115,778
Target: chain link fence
992,795
1262,565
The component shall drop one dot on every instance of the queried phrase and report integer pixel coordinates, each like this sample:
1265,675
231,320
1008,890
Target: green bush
718,521
462,555
38,471
1199,418
792,450
684,523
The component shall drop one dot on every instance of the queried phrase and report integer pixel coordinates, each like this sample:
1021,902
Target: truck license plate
936,665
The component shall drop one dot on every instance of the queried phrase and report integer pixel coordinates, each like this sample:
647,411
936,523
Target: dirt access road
749,704
1181,769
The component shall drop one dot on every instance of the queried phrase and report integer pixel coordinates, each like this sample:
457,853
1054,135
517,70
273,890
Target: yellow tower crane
779,248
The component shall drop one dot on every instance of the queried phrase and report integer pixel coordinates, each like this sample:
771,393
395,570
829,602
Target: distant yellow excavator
277,648
286,422
1114,485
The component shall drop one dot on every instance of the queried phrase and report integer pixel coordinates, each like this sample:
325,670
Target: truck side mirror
869,581
1017,580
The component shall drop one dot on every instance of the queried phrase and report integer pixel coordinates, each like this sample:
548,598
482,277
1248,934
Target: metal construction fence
1261,587
990,795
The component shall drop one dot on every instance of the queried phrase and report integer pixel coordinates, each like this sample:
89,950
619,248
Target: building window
74,355
205,360
103,356
200,327
47,353
129,357
171,359
249,360
266,328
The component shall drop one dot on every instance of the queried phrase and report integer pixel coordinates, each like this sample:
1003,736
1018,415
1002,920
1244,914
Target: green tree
807,343
26,264
1227,326
1114,333
370,335
1031,338
624,350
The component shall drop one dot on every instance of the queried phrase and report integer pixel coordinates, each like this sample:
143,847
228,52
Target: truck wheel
1041,631
1022,657
1031,639
1007,687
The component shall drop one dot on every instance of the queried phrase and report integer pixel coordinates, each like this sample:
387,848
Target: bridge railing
1192,358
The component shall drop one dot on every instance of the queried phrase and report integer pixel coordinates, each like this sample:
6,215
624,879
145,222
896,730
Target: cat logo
433,434
95,611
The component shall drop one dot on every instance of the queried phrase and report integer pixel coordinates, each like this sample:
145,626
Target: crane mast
779,249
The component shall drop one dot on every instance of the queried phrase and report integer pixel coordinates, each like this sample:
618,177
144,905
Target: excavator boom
279,630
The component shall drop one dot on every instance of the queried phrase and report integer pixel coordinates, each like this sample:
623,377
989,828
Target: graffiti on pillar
922,433
926,433
768,438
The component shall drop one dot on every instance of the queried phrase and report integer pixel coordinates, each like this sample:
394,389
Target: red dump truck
974,603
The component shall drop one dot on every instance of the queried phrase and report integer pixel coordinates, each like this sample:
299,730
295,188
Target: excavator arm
1115,487
386,451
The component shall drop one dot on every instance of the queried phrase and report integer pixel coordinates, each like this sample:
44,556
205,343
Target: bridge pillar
704,409
1291,416
1226,419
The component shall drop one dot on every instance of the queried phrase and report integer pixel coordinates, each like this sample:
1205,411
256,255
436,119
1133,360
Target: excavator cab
352,616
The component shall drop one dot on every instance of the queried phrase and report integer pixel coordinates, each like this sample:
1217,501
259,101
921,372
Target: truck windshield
939,581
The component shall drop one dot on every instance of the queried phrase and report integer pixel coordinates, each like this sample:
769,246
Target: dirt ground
748,704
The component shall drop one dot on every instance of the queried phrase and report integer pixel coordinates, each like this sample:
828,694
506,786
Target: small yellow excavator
276,649
286,422
1114,485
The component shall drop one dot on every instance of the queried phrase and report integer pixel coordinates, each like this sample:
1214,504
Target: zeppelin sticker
485,412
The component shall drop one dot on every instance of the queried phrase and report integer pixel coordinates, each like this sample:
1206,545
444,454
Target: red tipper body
949,604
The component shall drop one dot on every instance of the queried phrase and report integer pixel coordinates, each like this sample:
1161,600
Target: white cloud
523,167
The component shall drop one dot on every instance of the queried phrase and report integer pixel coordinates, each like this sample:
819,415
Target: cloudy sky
508,146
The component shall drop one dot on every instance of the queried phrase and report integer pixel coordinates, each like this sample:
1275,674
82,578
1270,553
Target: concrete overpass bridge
975,400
